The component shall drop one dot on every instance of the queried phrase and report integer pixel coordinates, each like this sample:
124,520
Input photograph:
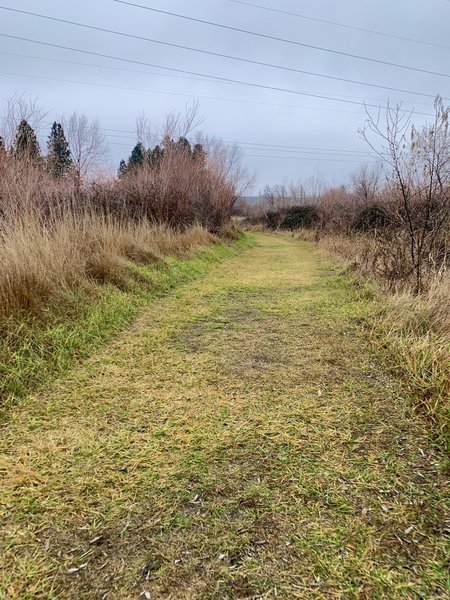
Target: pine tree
122,169
155,156
184,146
137,156
199,154
26,145
59,159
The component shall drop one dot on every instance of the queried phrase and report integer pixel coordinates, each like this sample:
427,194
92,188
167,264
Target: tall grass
77,261
412,331
41,260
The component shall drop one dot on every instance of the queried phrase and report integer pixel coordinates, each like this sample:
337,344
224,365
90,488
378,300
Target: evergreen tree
199,154
59,158
155,156
2,146
183,145
26,145
168,143
137,156
122,169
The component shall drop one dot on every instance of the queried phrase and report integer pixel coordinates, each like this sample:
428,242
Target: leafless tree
87,144
21,107
276,198
417,165
366,183
176,125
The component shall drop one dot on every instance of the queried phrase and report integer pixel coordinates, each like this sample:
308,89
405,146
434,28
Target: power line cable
344,25
272,147
216,77
305,158
282,146
295,147
219,54
107,67
253,145
284,40
200,97
202,79
183,95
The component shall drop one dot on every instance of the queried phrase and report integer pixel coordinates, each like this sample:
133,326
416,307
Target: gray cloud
231,111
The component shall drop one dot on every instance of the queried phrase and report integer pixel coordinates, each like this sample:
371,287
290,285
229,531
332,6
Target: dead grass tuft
39,259
414,329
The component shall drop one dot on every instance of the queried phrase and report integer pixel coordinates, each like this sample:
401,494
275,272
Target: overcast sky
285,136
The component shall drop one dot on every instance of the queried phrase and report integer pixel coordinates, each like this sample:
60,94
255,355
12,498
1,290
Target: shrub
370,217
299,216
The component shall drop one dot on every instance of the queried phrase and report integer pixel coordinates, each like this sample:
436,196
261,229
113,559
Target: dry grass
40,260
414,329
416,332
69,285
240,441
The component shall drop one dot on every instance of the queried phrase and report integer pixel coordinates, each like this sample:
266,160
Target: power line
303,152
304,158
216,77
72,62
297,158
202,79
344,25
107,67
263,147
201,97
145,90
218,54
273,147
240,143
298,147
284,40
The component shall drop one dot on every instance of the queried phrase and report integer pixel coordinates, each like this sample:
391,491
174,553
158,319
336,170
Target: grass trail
240,440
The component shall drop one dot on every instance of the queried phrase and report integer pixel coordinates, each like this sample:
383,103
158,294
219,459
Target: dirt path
239,441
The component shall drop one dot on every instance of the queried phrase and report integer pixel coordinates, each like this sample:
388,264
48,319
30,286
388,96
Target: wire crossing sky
289,81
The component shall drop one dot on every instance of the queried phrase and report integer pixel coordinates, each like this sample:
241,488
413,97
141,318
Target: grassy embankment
412,332
68,288
240,440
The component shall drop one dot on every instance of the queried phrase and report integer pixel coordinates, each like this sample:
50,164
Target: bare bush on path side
417,166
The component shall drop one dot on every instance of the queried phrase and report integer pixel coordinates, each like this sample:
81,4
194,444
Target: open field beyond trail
240,440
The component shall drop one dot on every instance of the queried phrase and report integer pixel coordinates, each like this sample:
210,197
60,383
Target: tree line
153,157
58,160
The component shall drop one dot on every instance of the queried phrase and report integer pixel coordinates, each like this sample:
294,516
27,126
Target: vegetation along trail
240,440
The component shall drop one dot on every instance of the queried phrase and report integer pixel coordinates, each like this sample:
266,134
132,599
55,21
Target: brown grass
415,330
40,260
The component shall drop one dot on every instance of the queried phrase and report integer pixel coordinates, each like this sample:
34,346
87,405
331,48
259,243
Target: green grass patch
34,351
240,440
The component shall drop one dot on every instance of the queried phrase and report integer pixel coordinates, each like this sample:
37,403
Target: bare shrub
86,143
417,165
366,184
184,187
